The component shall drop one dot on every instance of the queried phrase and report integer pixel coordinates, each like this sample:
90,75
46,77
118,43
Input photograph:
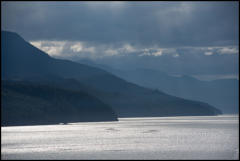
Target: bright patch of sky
68,49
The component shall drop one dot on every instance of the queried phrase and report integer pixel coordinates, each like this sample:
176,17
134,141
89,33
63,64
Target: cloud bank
69,49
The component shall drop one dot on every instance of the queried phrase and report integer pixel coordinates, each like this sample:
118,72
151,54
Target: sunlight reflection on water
198,137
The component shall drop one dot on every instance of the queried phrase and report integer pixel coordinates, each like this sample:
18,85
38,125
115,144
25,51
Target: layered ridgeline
22,61
27,103
221,93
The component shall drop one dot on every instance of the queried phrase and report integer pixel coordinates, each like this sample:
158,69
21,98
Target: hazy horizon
120,80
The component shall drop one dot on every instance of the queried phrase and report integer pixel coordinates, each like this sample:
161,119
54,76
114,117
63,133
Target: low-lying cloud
68,49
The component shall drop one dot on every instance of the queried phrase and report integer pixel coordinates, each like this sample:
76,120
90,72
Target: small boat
63,123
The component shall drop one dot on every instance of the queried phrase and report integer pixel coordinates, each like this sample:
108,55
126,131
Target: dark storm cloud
165,24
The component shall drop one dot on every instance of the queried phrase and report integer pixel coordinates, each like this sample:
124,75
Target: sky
134,32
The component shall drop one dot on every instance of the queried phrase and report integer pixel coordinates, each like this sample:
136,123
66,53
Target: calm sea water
200,137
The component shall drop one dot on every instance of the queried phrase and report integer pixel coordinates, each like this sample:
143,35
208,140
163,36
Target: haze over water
196,137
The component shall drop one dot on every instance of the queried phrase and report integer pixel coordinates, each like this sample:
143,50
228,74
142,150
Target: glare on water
198,137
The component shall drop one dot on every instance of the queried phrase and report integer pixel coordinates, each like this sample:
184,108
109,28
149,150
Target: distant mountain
222,93
27,103
22,61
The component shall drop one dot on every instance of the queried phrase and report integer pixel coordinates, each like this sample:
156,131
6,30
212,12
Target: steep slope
27,103
20,60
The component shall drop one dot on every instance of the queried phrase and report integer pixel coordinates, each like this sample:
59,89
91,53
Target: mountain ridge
222,93
127,99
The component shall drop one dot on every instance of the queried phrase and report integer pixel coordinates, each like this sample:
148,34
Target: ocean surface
198,137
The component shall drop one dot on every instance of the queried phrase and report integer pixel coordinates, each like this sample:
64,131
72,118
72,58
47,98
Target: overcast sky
100,29
147,23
